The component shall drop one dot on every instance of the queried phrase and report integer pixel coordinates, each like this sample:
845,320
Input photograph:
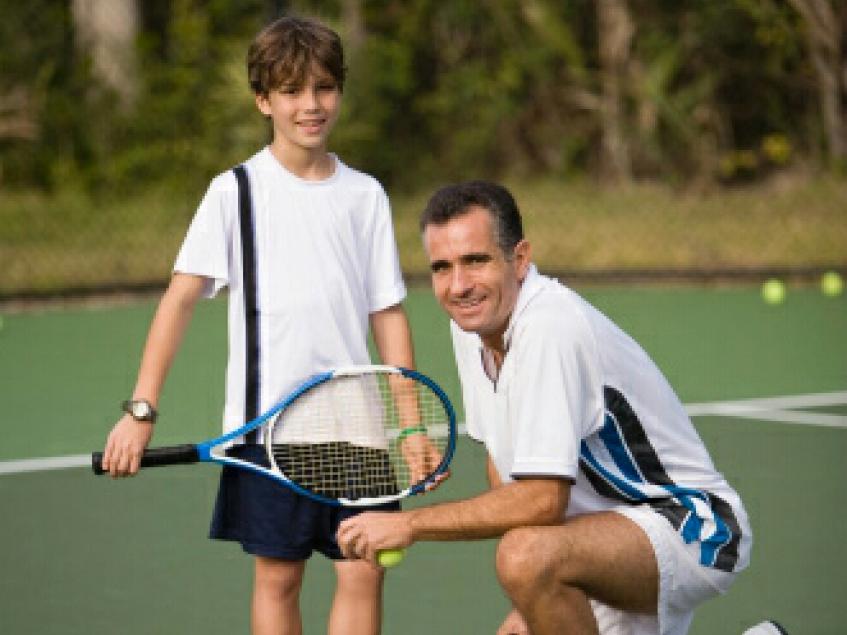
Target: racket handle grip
155,457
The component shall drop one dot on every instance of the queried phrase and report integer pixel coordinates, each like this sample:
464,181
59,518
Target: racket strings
365,436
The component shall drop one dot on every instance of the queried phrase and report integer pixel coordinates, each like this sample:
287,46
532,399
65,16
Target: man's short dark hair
455,200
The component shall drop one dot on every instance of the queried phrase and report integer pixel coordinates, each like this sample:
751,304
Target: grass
577,226
68,240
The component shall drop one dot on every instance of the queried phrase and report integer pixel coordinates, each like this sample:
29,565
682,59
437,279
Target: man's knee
524,560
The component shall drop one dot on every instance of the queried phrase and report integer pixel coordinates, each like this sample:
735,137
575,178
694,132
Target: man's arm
491,472
129,438
520,503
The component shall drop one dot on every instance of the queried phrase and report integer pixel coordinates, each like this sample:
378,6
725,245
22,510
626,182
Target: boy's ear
263,104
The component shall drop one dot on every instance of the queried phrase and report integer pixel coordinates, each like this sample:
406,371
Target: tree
107,31
615,32
824,35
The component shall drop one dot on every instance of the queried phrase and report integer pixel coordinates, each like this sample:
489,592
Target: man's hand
362,536
125,445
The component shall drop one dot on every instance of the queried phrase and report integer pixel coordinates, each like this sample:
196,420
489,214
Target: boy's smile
303,115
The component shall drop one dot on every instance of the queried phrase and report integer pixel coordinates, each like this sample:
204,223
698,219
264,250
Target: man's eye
477,261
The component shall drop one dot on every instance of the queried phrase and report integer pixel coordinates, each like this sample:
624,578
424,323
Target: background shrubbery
114,116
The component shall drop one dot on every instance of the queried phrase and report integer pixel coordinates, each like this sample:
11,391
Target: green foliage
438,91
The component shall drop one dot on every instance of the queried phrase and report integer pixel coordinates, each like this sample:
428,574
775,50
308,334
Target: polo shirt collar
531,286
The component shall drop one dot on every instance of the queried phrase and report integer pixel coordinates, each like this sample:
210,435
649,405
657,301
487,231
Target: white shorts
683,582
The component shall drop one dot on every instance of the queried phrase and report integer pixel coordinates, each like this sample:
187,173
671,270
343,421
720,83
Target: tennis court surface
767,386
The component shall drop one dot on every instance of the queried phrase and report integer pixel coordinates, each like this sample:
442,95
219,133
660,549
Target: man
612,516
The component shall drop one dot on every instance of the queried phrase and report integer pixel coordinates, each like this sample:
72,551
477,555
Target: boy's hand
125,445
422,457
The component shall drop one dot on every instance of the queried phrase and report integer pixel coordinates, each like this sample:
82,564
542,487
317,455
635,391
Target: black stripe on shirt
650,466
250,294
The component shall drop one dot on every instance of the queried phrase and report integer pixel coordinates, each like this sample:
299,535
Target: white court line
778,409
44,464
768,403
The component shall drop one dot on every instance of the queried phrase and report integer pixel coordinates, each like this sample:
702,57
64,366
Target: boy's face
304,114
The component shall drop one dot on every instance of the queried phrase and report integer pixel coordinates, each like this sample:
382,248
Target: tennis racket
356,436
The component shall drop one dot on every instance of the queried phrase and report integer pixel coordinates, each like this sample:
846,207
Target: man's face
472,278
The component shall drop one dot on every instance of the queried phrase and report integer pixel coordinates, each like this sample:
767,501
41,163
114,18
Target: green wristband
407,431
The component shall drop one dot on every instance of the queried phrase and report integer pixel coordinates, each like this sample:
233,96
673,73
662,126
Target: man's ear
522,258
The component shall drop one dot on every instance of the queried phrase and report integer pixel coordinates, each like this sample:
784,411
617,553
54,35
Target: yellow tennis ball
773,291
832,284
390,557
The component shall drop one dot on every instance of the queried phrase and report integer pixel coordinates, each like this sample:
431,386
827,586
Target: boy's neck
309,165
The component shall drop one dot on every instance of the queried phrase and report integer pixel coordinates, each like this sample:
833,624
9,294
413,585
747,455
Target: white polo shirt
577,398
325,258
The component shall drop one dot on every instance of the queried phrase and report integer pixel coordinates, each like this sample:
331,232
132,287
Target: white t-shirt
577,398
325,258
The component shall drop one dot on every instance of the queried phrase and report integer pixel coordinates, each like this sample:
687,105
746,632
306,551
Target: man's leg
276,596
550,572
357,607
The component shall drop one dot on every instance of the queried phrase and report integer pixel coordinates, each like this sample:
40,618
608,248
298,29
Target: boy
313,265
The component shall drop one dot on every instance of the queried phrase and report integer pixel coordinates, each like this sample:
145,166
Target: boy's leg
357,606
276,596
550,572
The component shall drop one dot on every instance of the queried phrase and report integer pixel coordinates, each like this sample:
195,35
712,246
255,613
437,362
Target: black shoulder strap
251,308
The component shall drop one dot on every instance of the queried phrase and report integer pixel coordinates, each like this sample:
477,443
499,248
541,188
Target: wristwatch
140,410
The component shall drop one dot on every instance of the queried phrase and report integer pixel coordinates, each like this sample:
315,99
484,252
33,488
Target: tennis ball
773,291
390,557
832,284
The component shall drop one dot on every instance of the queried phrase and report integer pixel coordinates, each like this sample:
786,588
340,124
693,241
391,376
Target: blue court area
767,386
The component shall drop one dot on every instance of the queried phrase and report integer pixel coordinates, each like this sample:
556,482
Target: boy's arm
129,438
393,337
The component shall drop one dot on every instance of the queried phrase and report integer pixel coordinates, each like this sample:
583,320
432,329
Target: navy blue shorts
271,520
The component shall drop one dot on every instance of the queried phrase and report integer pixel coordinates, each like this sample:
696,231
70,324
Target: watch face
140,409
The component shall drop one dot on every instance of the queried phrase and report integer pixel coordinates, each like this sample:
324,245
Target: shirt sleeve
386,287
206,248
554,399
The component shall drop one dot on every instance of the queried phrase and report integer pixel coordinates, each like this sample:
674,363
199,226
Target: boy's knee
358,576
279,577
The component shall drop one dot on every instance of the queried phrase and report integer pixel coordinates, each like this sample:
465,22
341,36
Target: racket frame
214,450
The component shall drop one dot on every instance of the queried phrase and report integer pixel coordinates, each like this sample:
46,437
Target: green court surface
83,554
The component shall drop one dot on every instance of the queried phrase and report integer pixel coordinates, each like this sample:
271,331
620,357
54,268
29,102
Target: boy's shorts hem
270,520
262,550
